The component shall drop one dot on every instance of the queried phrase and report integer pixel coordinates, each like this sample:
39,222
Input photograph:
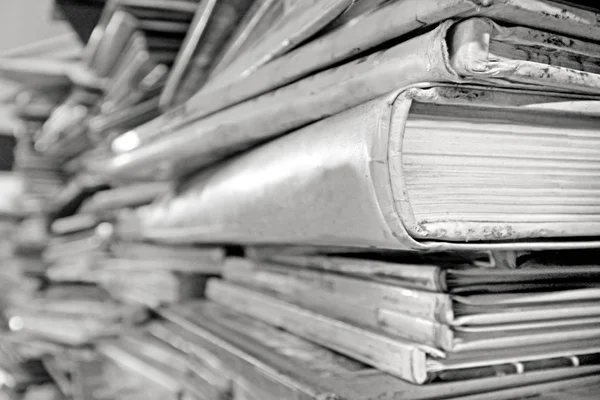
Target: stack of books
326,199
122,71
511,322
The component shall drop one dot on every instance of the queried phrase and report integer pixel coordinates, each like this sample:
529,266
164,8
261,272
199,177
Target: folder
474,50
408,360
269,363
421,169
393,20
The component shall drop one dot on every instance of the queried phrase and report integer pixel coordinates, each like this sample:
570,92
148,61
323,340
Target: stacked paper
498,329
324,199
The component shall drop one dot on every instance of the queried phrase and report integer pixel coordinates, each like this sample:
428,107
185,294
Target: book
192,255
393,20
212,26
72,329
408,360
381,176
119,29
260,17
419,59
268,363
449,273
107,201
298,22
103,126
152,287
142,375
450,323
35,72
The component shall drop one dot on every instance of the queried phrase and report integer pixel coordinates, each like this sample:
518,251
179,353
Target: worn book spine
473,342
420,59
153,374
423,276
219,28
315,97
483,49
118,31
309,287
302,20
212,26
260,16
400,358
367,196
272,364
391,20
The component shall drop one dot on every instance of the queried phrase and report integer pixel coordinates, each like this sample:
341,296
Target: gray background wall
25,21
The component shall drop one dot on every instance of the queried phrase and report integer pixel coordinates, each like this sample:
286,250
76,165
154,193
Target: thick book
392,21
408,360
475,50
449,322
268,363
433,168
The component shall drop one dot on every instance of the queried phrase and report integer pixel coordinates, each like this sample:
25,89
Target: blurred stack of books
325,199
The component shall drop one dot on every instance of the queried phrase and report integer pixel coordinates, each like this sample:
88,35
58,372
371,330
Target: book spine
349,85
389,21
417,329
419,276
123,357
219,28
297,22
308,287
400,358
261,15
